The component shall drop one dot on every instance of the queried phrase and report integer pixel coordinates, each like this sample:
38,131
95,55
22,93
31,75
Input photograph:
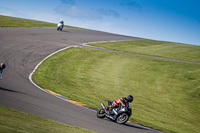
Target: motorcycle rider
60,24
119,102
2,66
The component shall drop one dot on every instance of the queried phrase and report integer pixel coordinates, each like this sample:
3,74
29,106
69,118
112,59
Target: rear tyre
122,118
101,113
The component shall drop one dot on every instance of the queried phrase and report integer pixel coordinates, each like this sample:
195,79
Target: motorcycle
120,114
60,27
2,66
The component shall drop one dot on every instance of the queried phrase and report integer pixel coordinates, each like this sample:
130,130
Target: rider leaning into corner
119,102
60,24
2,66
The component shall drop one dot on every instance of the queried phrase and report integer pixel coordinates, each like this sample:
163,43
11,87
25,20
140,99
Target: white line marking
74,46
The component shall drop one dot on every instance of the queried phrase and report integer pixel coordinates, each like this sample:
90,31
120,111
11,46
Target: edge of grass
8,21
155,48
12,121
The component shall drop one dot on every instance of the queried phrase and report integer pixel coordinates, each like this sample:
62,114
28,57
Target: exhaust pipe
115,111
103,106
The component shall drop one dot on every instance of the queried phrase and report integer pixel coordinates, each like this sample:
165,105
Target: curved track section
22,49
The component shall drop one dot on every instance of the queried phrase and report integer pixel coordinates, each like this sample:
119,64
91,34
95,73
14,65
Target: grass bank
13,121
156,48
6,21
167,93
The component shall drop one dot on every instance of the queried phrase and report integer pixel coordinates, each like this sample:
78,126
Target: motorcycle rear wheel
123,118
101,113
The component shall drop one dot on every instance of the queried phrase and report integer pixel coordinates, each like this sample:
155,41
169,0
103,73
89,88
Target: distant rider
120,102
2,66
60,25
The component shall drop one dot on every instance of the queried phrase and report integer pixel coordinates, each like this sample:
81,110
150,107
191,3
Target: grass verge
167,93
156,48
13,121
6,21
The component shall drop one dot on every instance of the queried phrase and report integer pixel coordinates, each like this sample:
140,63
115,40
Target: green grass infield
156,48
14,121
167,93
6,21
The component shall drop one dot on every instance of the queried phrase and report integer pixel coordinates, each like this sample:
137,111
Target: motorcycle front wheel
123,118
101,113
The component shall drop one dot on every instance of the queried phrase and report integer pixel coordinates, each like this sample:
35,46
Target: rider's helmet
61,21
3,65
129,98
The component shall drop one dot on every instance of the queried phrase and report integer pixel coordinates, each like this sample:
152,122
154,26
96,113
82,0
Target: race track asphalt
22,49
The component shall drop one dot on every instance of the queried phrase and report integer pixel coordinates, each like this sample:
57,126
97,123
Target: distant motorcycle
60,25
60,28
2,66
120,114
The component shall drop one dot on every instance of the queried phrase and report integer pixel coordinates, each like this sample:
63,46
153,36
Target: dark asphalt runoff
22,49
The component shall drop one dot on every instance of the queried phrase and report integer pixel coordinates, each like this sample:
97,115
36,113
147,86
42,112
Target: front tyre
122,118
101,113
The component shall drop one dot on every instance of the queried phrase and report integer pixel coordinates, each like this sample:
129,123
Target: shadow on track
65,31
128,125
13,91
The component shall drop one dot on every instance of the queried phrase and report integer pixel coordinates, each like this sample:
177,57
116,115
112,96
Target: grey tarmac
22,49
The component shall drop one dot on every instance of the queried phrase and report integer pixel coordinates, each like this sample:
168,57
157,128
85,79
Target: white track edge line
31,74
73,46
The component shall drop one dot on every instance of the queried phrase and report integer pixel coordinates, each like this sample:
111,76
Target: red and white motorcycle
120,114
